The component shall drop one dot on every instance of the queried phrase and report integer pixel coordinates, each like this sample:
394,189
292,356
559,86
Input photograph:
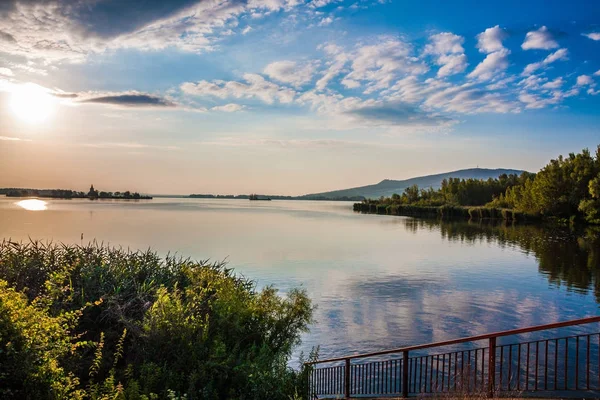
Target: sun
31,103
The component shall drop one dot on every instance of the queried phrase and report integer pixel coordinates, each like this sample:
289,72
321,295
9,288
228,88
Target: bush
144,326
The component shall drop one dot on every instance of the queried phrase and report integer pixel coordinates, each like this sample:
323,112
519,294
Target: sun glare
33,205
31,103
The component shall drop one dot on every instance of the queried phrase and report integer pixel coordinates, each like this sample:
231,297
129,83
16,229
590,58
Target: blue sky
290,96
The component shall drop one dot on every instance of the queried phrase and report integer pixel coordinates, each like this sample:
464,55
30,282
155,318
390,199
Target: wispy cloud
231,107
129,145
13,139
592,35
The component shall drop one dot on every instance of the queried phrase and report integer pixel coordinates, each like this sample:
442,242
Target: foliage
132,325
566,188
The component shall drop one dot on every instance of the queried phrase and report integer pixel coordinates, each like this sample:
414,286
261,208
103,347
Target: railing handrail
511,332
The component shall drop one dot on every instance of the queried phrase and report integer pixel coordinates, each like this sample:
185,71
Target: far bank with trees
567,188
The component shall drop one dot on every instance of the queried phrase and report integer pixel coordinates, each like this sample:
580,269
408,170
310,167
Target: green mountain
387,187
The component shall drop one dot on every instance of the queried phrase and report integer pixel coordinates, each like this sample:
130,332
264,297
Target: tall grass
152,326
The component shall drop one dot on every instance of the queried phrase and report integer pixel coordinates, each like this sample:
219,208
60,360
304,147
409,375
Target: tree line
566,188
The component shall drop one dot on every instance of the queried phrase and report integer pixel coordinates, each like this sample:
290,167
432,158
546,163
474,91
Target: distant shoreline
274,197
67,194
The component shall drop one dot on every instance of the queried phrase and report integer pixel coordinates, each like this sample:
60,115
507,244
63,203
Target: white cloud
336,64
449,52
6,71
496,61
490,40
560,54
493,64
597,73
57,31
379,64
325,21
231,107
584,80
291,72
452,64
255,87
246,30
592,35
555,84
350,84
540,39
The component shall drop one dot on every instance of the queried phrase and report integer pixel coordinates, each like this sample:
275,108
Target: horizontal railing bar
511,332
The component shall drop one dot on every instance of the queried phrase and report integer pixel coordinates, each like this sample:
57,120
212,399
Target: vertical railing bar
410,375
519,369
527,375
546,367
587,362
431,388
469,372
426,370
396,379
510,358
555,364
566,363
420,374
455,368
449,369
443,370
492,366
437,373
475,371
462,369
405,374
577,363
381,376
500,369
537,352
483,369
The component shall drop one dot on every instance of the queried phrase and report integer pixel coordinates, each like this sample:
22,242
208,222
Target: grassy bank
96,322
445,212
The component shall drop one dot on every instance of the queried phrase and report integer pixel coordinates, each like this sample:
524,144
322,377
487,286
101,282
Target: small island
92,194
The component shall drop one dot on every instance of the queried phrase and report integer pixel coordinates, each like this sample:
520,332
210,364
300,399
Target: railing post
492,368
405,374
347,379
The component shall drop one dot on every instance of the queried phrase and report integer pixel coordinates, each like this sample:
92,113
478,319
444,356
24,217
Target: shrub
193,329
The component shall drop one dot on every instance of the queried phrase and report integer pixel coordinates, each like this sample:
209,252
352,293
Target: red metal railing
556,364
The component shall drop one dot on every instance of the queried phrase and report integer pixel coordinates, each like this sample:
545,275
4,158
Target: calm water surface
378,281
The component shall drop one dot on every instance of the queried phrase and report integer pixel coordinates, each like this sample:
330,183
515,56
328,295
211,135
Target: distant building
92,192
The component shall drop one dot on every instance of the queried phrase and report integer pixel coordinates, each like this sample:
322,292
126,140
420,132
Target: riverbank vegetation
103,323
72,194
566,188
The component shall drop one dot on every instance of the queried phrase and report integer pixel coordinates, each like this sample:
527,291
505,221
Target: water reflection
33,205
566,256
378,282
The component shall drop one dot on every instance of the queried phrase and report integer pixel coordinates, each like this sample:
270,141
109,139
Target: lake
378,282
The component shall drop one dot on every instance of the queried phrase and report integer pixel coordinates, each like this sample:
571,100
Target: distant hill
387,187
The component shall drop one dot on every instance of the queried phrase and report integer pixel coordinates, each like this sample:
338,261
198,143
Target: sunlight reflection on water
33,205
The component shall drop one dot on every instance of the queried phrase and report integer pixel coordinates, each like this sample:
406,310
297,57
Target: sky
289,96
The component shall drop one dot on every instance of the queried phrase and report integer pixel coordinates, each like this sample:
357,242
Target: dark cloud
131,100
7,37
66,95
107,18
398,114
